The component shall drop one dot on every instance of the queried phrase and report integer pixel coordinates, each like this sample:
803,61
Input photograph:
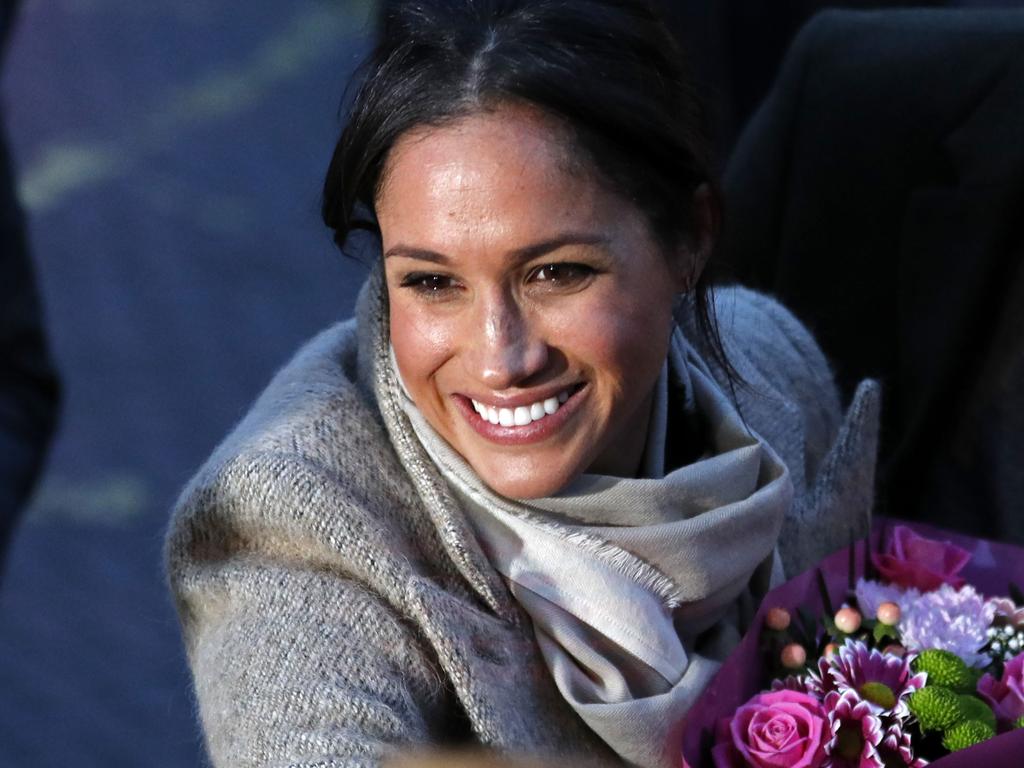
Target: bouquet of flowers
903,650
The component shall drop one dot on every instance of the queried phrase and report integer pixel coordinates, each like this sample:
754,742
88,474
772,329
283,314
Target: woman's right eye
428,283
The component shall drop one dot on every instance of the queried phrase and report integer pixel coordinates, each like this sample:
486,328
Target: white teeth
521,415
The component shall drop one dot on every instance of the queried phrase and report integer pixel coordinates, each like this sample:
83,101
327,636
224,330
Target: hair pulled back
608,70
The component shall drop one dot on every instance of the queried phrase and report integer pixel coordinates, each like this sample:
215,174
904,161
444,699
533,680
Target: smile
522,415
526,422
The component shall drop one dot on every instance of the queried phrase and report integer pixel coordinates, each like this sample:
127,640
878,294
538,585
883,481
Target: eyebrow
526,253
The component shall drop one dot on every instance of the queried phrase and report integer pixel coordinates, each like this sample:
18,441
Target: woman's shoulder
790,397
786,391
314,426
308,475
760,332
770,349
319,381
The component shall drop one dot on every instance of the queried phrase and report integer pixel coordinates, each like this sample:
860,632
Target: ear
706,216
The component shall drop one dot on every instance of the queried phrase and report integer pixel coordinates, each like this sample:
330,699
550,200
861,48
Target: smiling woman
513,281
531,494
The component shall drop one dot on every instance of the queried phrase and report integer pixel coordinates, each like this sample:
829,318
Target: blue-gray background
169,157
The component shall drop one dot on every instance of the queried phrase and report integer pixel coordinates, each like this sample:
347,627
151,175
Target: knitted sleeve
295,660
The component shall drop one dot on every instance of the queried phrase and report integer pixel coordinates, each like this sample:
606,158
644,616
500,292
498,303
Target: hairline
574,158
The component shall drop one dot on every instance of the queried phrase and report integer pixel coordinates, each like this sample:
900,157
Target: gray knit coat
334,602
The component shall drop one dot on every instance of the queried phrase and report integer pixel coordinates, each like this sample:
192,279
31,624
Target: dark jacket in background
879,193
29,392
735,48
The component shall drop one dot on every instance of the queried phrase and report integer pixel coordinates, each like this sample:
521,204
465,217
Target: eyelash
578,273
434,286
421,282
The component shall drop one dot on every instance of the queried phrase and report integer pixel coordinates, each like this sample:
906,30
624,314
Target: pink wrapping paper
991,568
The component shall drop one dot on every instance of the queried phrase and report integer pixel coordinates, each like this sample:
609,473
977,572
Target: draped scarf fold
638,587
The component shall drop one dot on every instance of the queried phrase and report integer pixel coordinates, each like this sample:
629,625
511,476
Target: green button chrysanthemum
945,668
935,707
967,734
973,708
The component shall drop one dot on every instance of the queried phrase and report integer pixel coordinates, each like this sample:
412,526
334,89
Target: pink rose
925,564
781,729
1005,695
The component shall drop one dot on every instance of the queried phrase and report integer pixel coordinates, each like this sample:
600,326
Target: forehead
491,139
497,168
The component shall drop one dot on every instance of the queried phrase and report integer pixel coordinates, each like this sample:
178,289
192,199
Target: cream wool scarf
638,588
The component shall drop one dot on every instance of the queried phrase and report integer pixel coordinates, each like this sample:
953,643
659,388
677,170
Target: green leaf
883,631
808,624
838,636
826,601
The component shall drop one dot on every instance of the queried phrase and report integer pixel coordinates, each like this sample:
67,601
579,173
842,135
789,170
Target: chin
527,483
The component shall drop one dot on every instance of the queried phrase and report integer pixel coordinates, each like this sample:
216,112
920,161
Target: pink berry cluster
847,622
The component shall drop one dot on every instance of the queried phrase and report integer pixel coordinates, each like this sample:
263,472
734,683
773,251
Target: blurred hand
473,759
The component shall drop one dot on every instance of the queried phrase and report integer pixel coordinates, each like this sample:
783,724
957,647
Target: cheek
422,342
623,340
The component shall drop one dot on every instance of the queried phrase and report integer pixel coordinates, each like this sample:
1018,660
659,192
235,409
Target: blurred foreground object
878,193
29,392
477,759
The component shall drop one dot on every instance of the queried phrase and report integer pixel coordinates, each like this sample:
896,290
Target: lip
527,398
535,431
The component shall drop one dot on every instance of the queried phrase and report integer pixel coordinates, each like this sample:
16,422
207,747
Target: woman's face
530,306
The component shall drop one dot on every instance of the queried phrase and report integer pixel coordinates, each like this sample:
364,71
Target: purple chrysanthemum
895,749
819,681
951,619
871,594
856,732
882,680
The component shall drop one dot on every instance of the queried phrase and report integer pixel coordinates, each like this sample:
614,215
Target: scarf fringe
621,560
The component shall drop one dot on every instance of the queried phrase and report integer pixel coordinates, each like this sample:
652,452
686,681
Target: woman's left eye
563,275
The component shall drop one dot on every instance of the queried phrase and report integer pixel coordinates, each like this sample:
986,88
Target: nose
504,346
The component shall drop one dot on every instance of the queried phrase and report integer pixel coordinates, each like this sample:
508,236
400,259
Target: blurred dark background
168,158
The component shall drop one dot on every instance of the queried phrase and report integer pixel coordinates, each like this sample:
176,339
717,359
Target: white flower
951,619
